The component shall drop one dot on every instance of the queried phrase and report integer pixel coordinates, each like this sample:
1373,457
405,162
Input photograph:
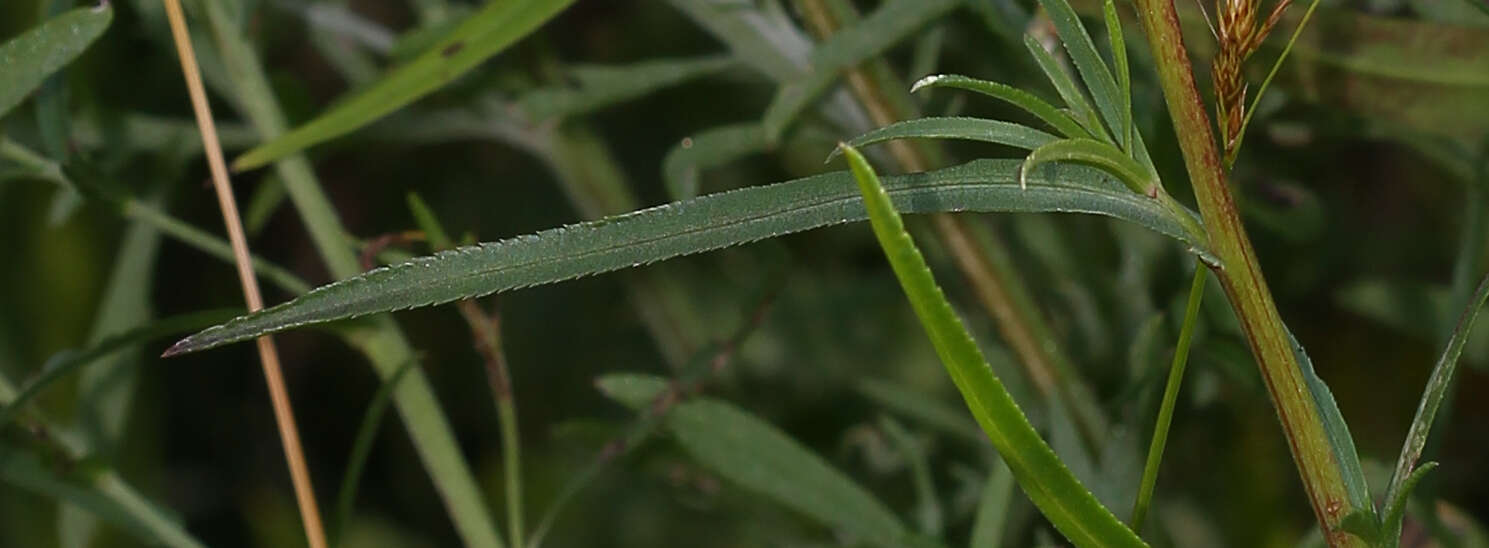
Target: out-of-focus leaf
601,86
756,456
95,491
68,361
847,48
27,60
1416,310
1069,506
969,129
993,508
1056,118
482,35
710,222
922,408
928,512
1289,210
1421,425
708,148
763,38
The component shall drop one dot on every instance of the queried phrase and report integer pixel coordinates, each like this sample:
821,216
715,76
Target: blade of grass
484,34
703,224
993,507
1068,505
1124,75
27,60
927,506
1437,387
1094,72
1170,398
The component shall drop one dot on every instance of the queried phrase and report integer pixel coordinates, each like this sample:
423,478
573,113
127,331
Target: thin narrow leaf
602,86
703,224
372,418
68,361
100,492
498,25
1340,440
1170,398
993,508
709,148
1069,92
765,40
27,60
1062,499
1094,72
1394,514
1124,76
1437,387
1056,118
969,129
1096,154
850,47
755,455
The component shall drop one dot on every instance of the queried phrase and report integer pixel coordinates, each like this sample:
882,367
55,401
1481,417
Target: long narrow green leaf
969,129
68,361
1065,85
850,47
100,492
703,224
1096,154
993,508
602,86
486,33
1437,387
27,60
755,455
1062,499
1094,72
708,148
928,511
1056,118
1124,76
1340,440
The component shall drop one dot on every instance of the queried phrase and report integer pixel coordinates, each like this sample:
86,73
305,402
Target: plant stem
980,255
284,415
1242,279
486,329
1170,397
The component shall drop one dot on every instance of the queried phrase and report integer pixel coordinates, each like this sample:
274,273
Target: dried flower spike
1238,38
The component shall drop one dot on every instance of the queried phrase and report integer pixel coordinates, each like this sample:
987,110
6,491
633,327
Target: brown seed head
1238,37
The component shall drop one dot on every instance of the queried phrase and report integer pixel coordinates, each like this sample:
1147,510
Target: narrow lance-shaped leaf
498,25
969,129
1340,441
755,455
1124,77
1432,396
1052,488
1067,88
1094,72
1056,118
703,224
27,60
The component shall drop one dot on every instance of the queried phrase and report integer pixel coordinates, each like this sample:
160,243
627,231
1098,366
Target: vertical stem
486,328
1242,279
1170,397
283,415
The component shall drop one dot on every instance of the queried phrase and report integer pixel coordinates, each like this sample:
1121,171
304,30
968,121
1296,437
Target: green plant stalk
980,255
381,340
1170,397
1241,276
372,418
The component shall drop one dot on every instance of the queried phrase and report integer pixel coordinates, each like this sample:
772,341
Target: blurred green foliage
1362,183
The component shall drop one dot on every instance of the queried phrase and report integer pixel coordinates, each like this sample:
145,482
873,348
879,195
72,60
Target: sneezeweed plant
1086,154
